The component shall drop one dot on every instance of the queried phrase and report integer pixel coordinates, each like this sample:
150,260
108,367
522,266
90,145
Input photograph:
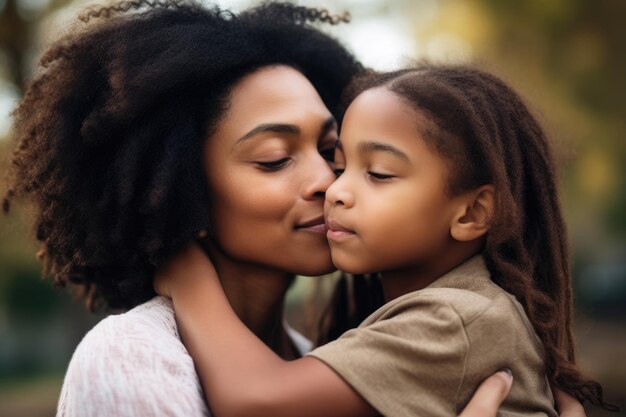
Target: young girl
446,187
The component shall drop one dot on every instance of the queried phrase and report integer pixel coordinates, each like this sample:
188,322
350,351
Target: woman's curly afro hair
110,131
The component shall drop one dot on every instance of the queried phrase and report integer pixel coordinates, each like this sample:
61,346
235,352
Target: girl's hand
187,268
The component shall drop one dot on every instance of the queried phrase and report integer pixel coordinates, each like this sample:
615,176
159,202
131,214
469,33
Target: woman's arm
241,376
566,405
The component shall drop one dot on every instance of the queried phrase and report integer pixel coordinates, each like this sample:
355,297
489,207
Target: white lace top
134,364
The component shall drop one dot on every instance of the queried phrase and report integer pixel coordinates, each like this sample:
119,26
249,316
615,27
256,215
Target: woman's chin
322,267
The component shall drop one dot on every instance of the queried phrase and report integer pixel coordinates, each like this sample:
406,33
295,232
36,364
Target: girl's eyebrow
367,147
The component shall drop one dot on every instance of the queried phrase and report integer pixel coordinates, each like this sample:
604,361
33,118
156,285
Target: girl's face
388,210
268,169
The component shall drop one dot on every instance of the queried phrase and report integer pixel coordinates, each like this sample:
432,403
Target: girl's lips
337,232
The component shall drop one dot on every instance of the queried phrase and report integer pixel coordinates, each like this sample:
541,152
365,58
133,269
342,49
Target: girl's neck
257,296
416,277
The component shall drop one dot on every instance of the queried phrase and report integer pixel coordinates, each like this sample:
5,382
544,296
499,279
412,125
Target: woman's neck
257,296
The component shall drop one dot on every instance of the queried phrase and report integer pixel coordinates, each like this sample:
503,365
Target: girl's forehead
383,103
379,110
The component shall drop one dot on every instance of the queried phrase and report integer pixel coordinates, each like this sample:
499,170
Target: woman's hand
187,268
566,405
489,396
492,392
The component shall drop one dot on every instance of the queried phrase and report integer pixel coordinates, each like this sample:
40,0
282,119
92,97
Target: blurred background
567,57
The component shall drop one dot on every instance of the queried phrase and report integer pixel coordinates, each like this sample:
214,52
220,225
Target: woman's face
268,169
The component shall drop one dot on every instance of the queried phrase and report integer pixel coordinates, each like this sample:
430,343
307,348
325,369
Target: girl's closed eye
380,176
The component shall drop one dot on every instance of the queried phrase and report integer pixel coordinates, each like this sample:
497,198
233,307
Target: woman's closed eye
274,165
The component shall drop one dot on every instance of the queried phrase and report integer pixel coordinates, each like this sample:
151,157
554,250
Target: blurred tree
579,48
14,39
19,21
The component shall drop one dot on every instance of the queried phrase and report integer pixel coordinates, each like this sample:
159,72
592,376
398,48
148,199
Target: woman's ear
473,218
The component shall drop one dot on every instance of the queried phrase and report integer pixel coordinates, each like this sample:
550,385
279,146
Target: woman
113,152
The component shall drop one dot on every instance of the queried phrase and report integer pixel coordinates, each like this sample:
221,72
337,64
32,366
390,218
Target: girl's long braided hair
488,135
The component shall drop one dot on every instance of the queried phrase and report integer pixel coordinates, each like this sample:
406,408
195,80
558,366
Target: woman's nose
321,176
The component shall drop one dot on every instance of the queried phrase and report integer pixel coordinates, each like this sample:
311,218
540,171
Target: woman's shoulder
137,359
131,340
141,324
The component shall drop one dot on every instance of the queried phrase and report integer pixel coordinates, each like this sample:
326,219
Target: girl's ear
473,218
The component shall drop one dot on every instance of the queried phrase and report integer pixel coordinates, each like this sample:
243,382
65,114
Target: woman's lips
337,232
316,225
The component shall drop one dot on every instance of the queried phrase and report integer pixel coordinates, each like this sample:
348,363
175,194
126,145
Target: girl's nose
339,193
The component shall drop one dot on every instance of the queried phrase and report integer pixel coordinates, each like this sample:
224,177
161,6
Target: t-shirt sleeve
127,370
409,362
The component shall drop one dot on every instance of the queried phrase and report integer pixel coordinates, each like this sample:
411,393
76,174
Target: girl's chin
351,267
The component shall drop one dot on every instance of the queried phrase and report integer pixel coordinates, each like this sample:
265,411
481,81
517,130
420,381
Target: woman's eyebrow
372,146
269,127
284,128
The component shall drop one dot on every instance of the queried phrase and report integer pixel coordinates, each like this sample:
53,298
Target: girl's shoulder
466,292
464,304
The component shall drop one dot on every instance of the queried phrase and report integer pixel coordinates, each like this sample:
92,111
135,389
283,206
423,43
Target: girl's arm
241,376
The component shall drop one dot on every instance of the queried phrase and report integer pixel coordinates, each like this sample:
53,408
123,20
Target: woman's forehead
273,84
273,95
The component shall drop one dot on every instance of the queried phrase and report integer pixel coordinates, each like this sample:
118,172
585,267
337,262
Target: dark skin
237,381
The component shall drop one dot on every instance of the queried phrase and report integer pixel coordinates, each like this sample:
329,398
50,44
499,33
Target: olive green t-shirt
425,353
